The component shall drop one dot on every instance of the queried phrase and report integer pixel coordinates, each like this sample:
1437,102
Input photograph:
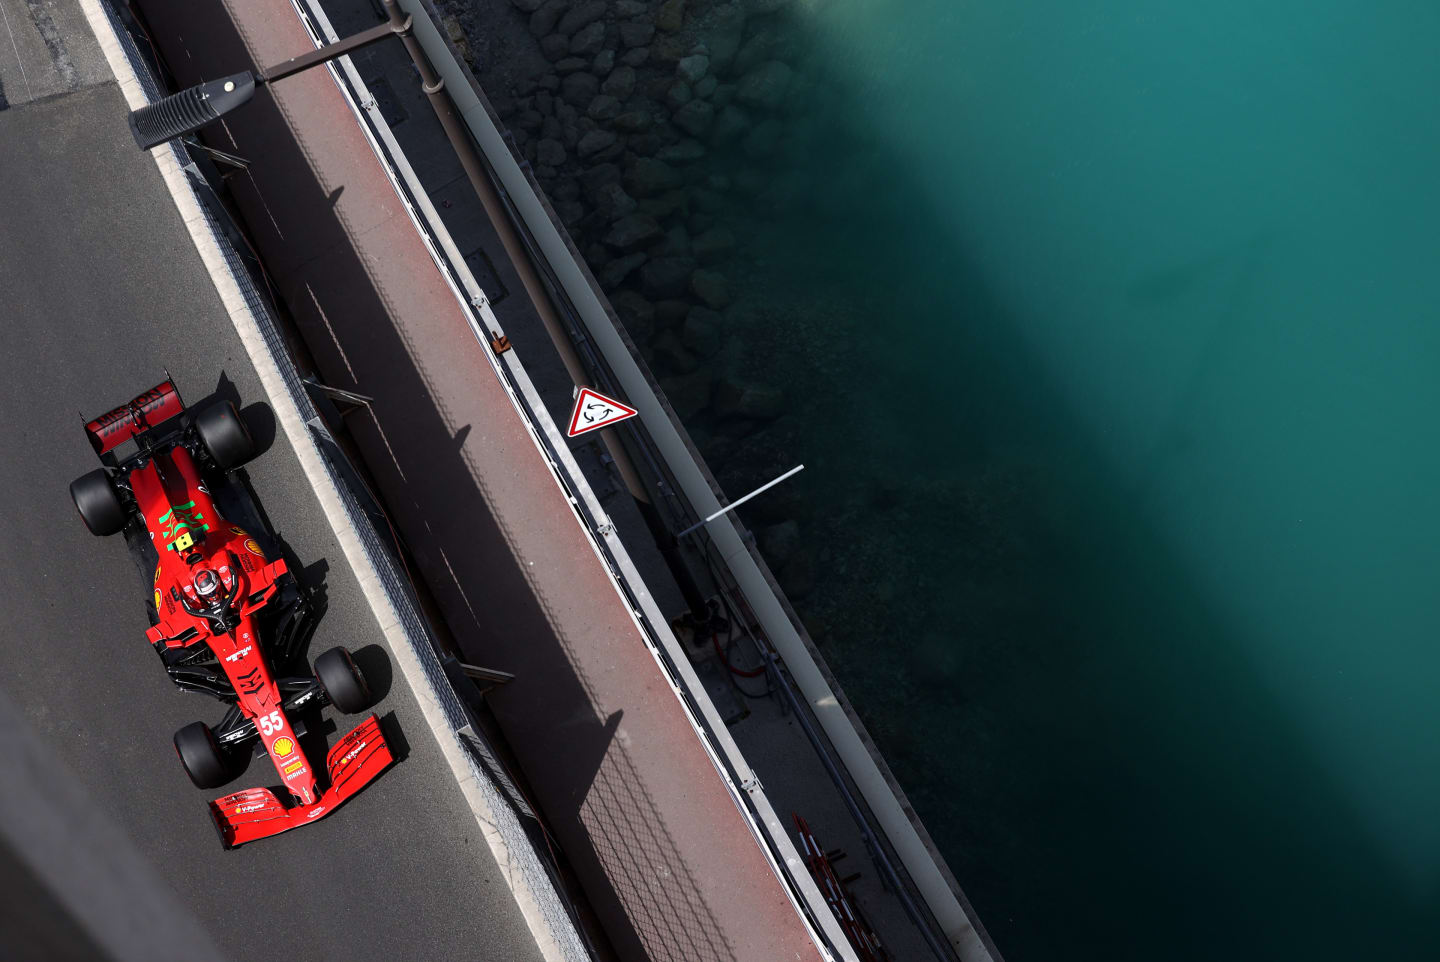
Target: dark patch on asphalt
59,56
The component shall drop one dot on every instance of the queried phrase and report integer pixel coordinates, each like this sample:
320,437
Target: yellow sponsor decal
157,601
157,574
293,767
235,530
284,747
252,546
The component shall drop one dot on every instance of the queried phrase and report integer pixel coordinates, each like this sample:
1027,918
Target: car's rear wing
156,406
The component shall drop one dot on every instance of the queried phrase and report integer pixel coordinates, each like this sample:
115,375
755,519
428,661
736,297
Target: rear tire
200,755
226,438
97,502
343,681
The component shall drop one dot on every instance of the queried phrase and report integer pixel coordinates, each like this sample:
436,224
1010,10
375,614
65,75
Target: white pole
735,504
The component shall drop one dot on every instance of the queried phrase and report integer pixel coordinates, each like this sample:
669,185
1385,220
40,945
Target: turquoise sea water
1115,335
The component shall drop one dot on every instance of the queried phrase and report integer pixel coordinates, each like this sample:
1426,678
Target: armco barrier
388,592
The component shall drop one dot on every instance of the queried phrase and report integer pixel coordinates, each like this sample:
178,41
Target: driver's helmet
208,587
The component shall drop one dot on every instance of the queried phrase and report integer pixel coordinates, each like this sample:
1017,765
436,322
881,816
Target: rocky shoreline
660,129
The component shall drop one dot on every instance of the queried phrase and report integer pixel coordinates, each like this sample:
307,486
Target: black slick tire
343,681
226,438
200,755
97,502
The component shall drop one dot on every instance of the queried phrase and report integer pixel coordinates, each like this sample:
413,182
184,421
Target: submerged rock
666,276
671,313
598,176
726,30
633,121
685,152
580,15
611,200
636,313
550,153
666,204
701,332
620,83
633,230
694,118
588,40
594,142
613,274
671,356
693,68
603,107
671,16
711,287
580,88
546,16
678,94
758,49
648,176
765,85
713,245
636,34
730,123
555,47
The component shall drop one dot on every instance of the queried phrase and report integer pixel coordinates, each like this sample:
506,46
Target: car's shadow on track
258,416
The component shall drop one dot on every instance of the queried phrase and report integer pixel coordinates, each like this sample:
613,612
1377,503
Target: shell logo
157,601
252,546
283,747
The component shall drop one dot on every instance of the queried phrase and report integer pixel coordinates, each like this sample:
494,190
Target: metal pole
337,49
735,504
479,177
434,87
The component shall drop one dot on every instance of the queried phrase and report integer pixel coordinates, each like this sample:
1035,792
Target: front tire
99,506
343,681
200,755
226,438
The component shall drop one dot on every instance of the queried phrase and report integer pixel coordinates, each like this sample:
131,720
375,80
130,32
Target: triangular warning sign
594,410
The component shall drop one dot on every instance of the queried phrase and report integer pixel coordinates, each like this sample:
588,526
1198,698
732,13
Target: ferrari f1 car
225,618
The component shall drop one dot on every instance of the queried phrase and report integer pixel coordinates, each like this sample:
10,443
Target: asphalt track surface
100,291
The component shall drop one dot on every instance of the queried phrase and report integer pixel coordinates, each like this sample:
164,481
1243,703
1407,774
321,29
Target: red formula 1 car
225,618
